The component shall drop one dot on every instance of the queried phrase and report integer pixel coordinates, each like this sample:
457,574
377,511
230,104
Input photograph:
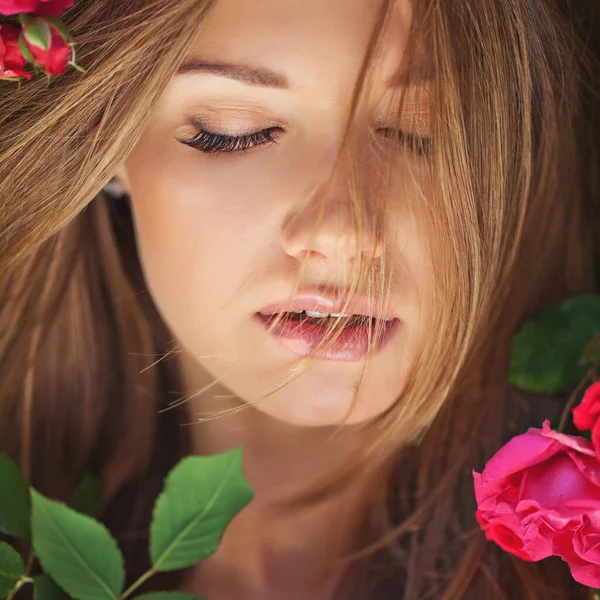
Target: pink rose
11,59
539,496
48,46
41,8
586,416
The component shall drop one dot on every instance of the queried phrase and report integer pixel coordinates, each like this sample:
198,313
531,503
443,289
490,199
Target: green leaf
78,68
11,569
38,34
87,497
25,50
76,551
45,588
15,504
201,495
167,596
546,351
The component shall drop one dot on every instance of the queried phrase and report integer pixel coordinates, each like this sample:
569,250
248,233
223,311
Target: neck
279,460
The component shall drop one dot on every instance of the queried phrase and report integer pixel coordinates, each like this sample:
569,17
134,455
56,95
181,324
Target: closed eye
209,142
214,143
418,144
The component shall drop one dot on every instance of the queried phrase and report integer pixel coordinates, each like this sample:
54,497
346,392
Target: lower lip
352,343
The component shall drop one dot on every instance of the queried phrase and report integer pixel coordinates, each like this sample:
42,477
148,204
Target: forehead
311,42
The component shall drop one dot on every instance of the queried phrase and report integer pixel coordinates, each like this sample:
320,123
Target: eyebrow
243,73
262,76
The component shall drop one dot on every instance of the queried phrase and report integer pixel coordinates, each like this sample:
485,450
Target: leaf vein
84,563
193,522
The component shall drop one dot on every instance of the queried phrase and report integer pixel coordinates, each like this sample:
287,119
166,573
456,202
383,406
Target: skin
220,236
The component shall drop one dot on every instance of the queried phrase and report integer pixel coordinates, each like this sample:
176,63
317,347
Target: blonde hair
506,235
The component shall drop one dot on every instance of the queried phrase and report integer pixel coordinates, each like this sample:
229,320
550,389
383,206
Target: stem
573,398
29,563
591,374
136,584
25,579
19,585
15,589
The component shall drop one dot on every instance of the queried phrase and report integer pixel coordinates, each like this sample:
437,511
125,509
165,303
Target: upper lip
319,302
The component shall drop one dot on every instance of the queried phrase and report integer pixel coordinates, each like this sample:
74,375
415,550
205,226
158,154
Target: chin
317,409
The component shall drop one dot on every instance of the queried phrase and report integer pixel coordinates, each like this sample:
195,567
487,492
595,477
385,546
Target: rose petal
42,8
587,574
501,533
570,441
556,480
518,454
13,7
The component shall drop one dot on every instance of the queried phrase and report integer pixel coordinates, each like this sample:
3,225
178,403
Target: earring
114,190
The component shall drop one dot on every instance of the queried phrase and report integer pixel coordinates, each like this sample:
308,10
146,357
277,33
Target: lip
352,343
321,303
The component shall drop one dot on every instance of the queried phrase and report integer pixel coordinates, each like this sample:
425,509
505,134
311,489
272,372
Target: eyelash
214,143
420,145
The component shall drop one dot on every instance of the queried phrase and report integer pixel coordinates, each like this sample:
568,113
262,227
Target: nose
333,246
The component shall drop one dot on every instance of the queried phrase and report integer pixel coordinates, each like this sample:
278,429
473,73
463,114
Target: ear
120,179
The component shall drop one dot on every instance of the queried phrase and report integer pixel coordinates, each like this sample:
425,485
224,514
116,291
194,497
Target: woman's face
221,235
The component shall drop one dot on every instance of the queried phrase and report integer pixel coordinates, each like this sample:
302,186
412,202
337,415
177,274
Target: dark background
586,16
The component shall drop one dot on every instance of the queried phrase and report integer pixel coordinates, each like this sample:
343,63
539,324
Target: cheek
201,225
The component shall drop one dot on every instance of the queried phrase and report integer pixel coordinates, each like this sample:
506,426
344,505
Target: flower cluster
37,37
539,495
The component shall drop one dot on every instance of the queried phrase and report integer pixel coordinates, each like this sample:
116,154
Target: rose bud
11,59
46,44
586,416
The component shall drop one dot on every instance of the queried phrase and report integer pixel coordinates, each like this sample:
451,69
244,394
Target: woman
413,168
